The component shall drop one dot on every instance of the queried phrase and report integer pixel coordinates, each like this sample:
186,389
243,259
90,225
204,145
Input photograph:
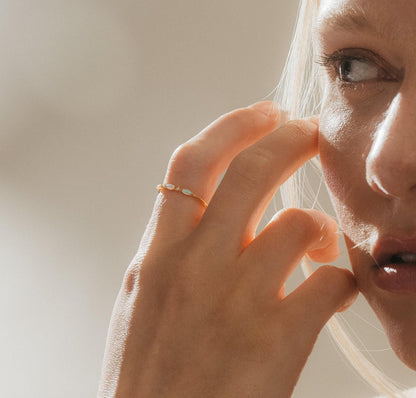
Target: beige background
95,96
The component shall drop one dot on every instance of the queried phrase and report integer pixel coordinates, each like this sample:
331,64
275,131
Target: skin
202,311
367,149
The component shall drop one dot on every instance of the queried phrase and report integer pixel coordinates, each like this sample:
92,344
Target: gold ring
185,191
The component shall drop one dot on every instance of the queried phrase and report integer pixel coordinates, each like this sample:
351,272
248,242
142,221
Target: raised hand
202,310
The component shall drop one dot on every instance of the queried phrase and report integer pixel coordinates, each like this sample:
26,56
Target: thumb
328,290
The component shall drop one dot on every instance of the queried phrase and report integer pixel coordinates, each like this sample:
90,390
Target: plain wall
95,96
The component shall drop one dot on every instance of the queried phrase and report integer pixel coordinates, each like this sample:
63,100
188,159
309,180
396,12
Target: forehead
388,19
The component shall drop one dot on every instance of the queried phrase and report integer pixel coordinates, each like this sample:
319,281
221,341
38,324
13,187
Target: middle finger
253,178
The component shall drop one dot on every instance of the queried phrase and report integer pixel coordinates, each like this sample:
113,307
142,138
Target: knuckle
196,154
250,164
187,156
328,271
138,277
131,277
137,273
184,152
300,223
246,117
299,128
163,279
333,276
339,284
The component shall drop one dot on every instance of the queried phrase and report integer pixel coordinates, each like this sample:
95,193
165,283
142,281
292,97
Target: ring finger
198,164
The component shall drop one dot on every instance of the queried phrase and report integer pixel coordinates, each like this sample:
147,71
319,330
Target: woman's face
368,150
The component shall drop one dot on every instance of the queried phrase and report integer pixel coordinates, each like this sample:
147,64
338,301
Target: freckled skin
367,147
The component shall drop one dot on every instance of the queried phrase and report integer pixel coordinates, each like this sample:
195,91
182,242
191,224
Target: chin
397,314
394,307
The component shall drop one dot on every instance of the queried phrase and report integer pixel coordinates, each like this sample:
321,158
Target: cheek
340,148
344,142
347,127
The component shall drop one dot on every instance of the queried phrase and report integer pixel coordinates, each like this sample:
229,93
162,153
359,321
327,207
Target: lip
386,246
398,278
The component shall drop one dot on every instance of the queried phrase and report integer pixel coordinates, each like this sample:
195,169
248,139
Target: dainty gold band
185,191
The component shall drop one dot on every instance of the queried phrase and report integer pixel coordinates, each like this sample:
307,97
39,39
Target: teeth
408,257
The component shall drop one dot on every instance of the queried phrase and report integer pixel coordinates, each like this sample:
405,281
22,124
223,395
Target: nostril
378,188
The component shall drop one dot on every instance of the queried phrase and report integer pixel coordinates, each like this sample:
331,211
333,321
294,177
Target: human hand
202,310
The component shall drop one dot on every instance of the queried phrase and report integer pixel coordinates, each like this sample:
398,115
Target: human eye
352,67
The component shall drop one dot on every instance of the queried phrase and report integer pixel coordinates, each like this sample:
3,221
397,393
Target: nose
391,162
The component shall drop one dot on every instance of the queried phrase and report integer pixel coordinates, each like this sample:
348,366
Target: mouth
403,258
395,264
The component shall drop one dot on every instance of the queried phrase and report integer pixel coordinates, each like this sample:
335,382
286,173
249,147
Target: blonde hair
299,94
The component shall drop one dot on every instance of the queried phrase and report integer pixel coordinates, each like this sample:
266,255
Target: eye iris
356,70
345,69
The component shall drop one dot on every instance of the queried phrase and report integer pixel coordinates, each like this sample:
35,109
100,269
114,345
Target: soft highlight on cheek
334,120
341,144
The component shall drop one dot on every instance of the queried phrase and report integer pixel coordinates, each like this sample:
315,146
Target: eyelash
332,62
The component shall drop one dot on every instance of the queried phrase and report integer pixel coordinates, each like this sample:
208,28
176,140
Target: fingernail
269,108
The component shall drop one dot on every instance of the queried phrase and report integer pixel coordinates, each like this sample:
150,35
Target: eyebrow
353,20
